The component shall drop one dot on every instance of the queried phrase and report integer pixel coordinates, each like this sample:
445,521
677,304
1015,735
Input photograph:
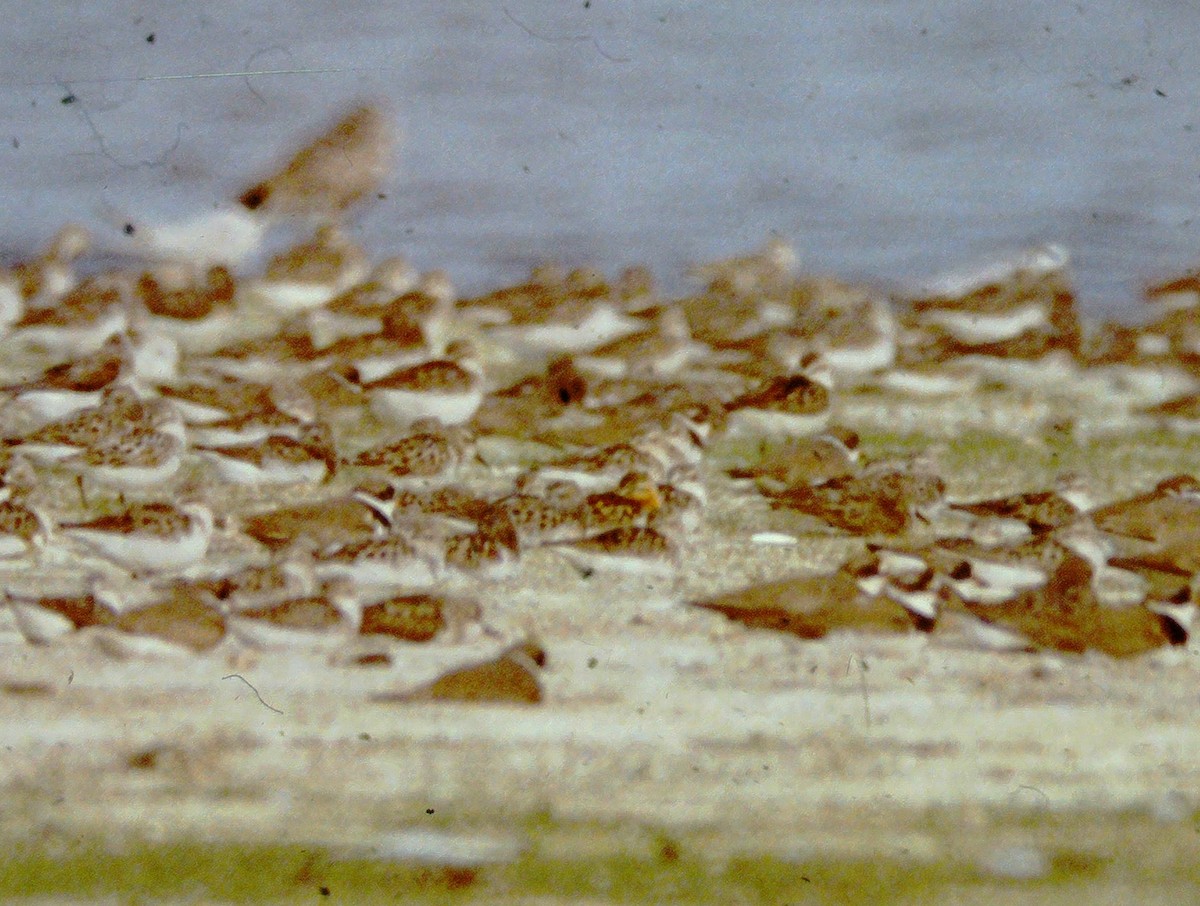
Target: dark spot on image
150,38
17,687
69,99
255,197
145,760
129,229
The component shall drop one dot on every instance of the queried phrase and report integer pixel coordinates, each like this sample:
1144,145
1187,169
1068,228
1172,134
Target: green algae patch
1093,855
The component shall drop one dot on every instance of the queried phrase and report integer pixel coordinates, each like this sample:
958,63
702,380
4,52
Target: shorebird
42,619
632,503
42,281
1040,511
324,620
120,413
1066,615
430,453
132,460
22,527
512,676
344,164
81,321
148,537
599,471
449,389
883,500
633,550
491,551
808,460
64,389
1172,503
814,606
277,460
179,624
554,514
393,560
794,404
310,274
197,313
418,617
363,513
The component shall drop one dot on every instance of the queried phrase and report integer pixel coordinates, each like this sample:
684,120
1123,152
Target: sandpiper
364,513
1041,511
179,624
1173,502
633,550
148,537
42,619
848,504
599,471
324,620
512,676
132,460
808,460
682,499
430,453
632,503
21,527
252,427
449,390
196,313
360,309
553,514
996,301
119,412
277,357
82,320
255,585
342,165
1065,615
129,359
491,551
394,560
665,349
279,459
310,274
814,606
42,281
418,617
768,270
794,404
565,323
397,345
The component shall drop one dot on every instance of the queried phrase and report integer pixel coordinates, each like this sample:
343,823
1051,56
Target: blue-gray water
885,139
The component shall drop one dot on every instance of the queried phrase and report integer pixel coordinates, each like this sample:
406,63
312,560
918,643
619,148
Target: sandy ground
656,716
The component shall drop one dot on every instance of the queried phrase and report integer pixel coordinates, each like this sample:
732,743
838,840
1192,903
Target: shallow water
886,139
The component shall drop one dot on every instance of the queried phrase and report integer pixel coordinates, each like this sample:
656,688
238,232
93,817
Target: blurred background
886,140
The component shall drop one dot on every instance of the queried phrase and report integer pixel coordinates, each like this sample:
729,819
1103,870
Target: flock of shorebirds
365,397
